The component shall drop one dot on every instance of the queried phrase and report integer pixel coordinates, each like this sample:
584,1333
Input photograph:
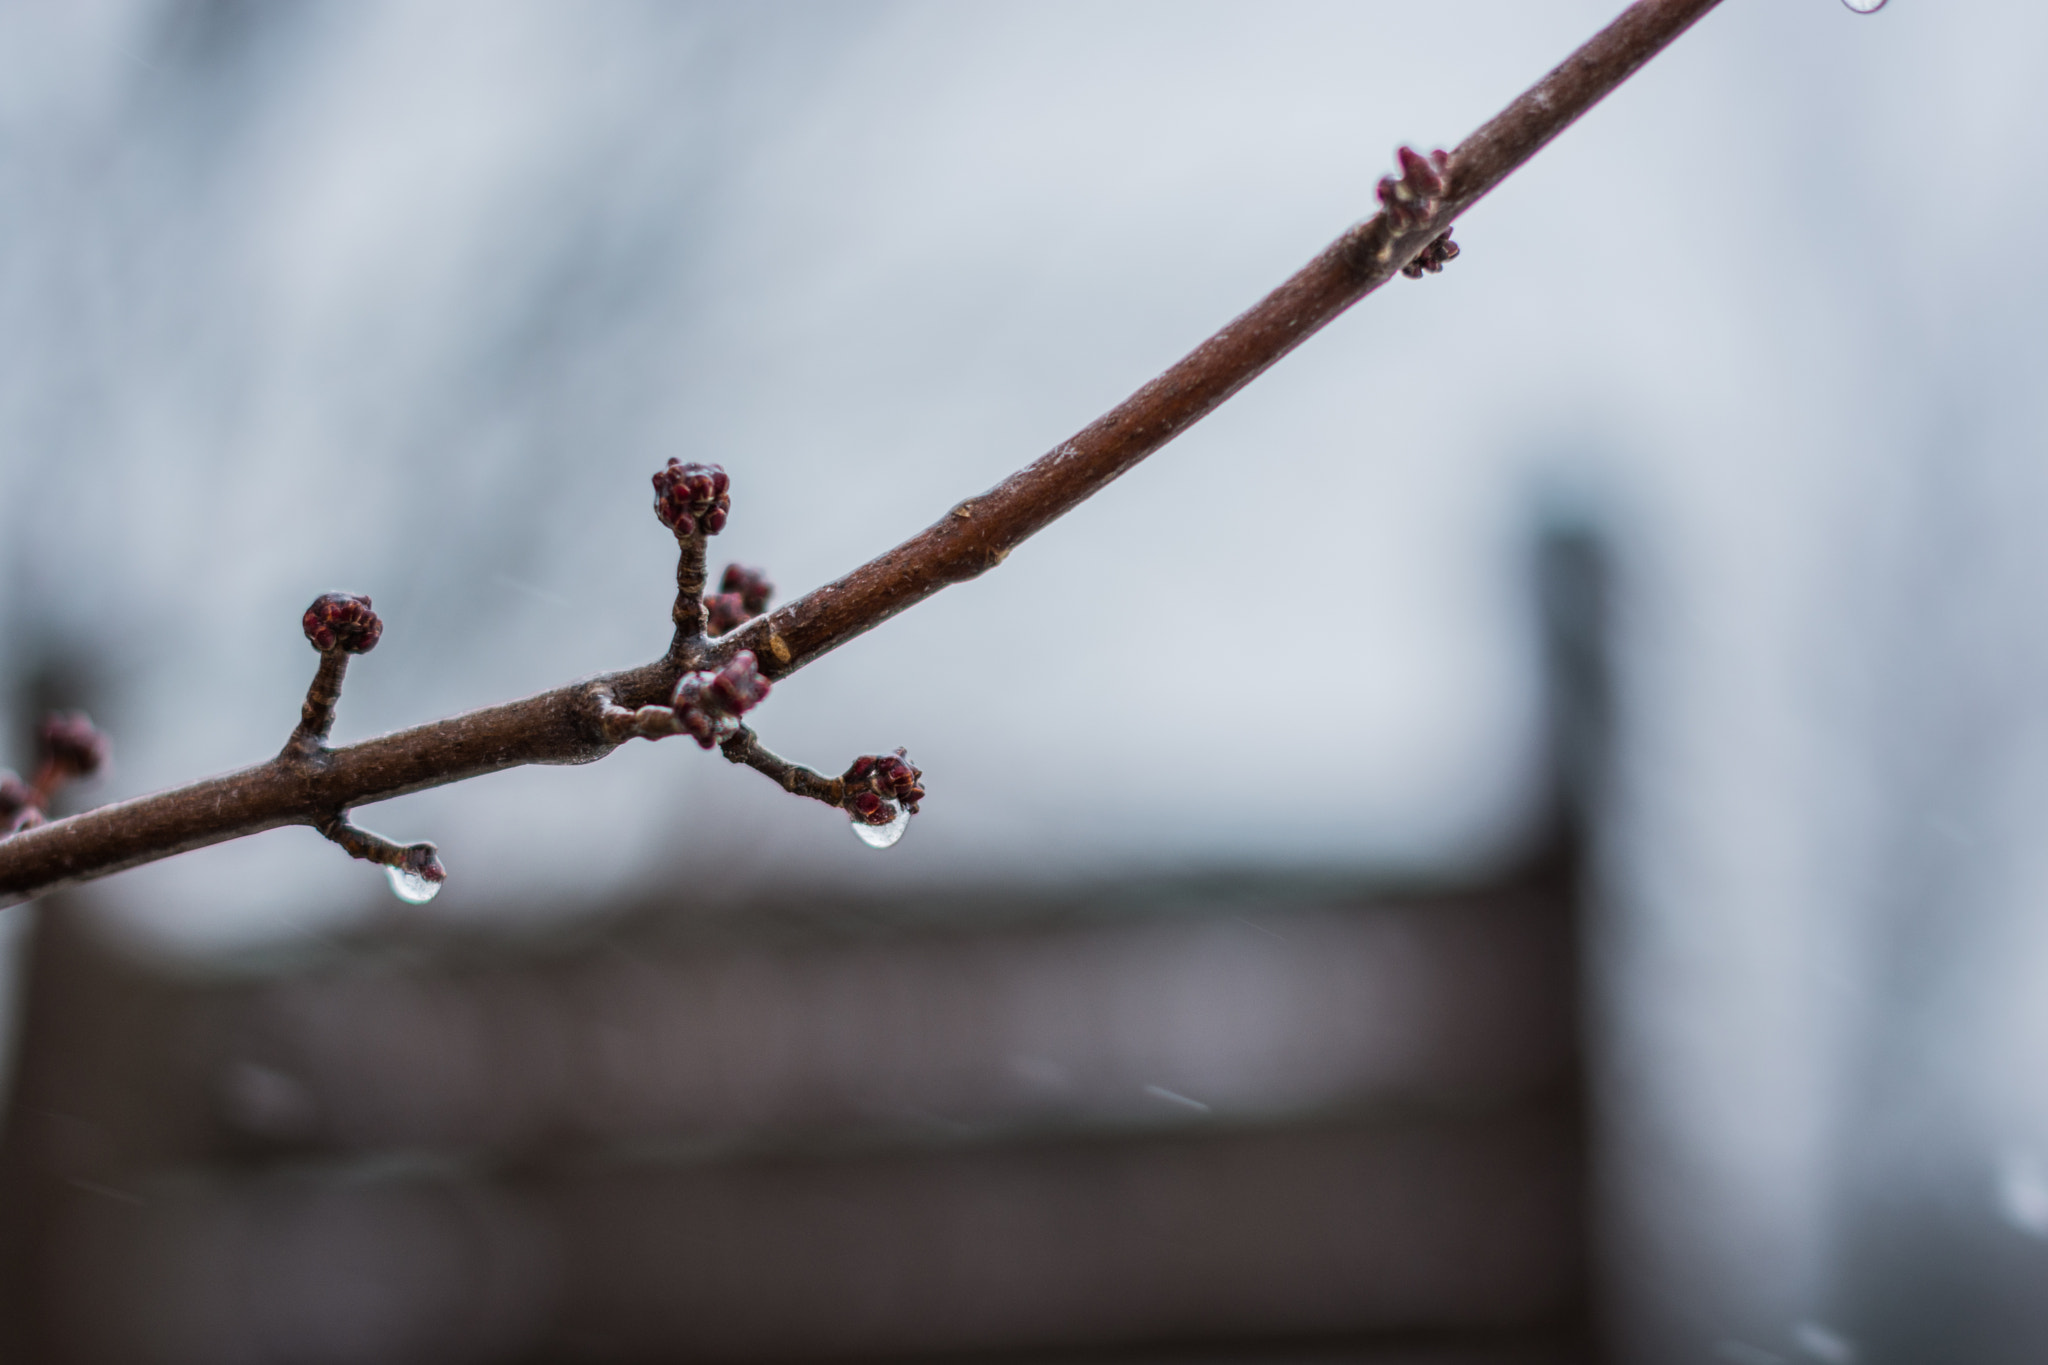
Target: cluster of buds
71,747
878,783
342,621
692,497
1432,257
742,595
1414,196
709,705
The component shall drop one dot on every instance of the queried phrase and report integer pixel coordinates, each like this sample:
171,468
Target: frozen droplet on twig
1865,6
883,835
410,886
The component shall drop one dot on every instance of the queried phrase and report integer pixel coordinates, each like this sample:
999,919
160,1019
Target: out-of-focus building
1249,1121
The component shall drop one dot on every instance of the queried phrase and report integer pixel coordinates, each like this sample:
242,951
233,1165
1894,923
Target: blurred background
1618,937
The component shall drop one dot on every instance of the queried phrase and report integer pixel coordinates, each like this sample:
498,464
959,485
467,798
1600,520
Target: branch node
621,723
879,792
744,747
1412,198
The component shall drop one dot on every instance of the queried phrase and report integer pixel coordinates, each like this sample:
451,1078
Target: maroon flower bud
1433,257
886,777
739,686
1413,196
72,745
709,705
692,497
1420,173
343,621
726,611
871,809
752,586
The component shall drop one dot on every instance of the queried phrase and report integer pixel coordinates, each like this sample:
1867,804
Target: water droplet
883,836
411,887
1865,6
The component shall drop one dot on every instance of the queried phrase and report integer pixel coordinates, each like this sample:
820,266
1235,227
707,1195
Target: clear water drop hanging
883,836
411,887
1865,6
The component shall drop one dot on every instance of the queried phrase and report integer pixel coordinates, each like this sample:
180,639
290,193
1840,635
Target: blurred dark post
1573,581
1257,1115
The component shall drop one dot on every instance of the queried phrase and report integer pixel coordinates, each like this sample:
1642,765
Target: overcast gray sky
411,299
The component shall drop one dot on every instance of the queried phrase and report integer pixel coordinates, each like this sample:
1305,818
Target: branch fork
711,695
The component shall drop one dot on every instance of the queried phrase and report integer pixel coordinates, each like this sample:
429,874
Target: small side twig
876,789
420,860
69,747
745,747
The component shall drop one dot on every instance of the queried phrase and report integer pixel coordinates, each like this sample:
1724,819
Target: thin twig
745,747
580,722
688,612
316,716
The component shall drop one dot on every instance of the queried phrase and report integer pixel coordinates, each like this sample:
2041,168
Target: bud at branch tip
342,621
689,498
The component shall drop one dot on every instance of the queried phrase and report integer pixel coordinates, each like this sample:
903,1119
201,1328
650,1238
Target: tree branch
312,785
977,534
